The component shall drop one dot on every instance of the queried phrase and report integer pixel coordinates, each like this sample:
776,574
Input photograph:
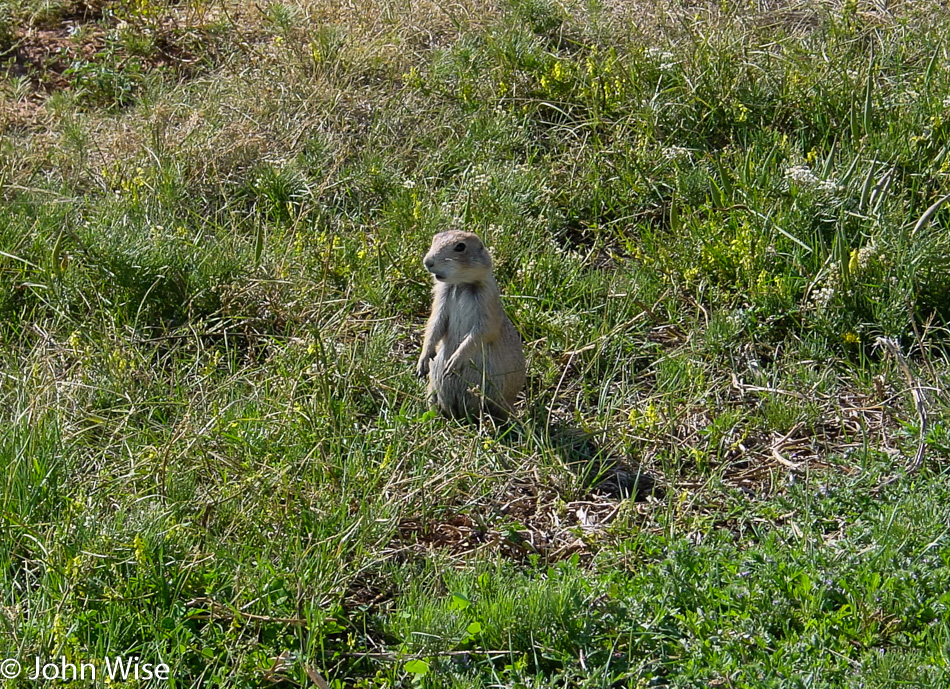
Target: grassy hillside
214,453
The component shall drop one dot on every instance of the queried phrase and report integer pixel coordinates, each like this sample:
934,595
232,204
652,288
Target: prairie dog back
471,351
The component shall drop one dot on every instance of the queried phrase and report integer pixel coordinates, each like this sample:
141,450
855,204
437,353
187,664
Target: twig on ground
219,611
916,390
385,655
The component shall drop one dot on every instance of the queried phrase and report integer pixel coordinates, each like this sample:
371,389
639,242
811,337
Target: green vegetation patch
216,456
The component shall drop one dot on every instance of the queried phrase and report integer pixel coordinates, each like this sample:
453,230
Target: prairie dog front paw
422,368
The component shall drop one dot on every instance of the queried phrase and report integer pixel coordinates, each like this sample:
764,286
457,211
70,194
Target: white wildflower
663,56
821,298
866,254
803,175
675,153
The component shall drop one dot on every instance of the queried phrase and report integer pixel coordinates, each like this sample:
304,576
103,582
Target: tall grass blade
867,186
766,166
879,193
715,193
868,114
726,188
841,251
929,214
766,219
829,160
930,67
259,245
846,177
18,258
853,118
56,253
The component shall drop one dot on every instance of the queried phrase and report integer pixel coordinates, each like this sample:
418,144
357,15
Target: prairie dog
469,340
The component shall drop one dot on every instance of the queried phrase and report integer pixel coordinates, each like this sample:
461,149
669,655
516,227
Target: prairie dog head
457,257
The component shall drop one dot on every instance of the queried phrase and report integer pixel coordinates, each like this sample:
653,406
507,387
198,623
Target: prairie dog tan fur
469,340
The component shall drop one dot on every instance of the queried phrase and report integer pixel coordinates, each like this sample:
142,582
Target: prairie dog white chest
465,309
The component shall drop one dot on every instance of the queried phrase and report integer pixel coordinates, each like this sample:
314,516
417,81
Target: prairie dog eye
460,247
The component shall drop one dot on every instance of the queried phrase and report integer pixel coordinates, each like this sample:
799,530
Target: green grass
214,452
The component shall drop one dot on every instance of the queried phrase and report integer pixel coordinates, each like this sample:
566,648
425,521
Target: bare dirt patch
83,44
528,520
